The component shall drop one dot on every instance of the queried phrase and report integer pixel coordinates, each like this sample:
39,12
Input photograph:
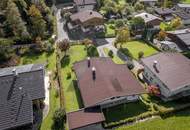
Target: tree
139,6
87,42
64,45
176,23
119,23
15,22
67,16
162,35
140,54
123,35
59,117
37,22
137,23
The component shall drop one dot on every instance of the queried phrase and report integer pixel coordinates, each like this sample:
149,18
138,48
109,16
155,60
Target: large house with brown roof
102,84
170,72
85,21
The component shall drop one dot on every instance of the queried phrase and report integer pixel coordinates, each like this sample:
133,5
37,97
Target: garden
134,47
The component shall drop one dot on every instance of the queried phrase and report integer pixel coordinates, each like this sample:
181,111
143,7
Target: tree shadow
65,61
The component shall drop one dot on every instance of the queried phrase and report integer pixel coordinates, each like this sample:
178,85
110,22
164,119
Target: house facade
169,73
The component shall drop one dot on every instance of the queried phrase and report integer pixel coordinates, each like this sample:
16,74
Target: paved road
62,34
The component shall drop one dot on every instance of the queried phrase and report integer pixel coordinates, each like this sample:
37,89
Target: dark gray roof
183,15
173,69
164,11
17,93
185,38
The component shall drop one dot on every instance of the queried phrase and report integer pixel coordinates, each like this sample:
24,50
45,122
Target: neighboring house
181,38
85,4
150,20
85,21
170,72
165,13
21,93
85,120
169,46
148,2
103,83
183,7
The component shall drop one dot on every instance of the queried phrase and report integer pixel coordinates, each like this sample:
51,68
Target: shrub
68,75
140,54
119,23
92,51
59,117
111,21
110,53
126,52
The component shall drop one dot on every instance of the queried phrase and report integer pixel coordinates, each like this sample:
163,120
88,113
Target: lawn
179,121
186,1
42,58
122,112
71,92
135,47
115,58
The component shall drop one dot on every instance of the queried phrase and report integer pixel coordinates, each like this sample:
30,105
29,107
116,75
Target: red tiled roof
112,80
173,69
83,118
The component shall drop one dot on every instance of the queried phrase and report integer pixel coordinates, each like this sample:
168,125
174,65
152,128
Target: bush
126,52
59,117
110,53
111,21
92,51
68,75
141,54
119,23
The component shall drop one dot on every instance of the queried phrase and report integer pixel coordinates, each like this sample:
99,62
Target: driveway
61,33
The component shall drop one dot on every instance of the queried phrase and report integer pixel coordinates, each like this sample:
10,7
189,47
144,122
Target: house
169,72
165,13
183,7
150,20
21,93
181,38
85,119
105,84
148,2
85,22
85,4
169,46
102,84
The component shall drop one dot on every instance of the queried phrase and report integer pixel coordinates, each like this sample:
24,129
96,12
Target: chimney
90,12
15,73
88,60
93,73
146,15
155,63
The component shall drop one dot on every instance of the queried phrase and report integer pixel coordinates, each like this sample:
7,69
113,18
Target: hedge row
159,112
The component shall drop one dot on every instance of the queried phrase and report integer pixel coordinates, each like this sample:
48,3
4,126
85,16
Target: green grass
110,29
115,58
122,112
135,47
186,1
54,104
179,121
32,58
71,92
